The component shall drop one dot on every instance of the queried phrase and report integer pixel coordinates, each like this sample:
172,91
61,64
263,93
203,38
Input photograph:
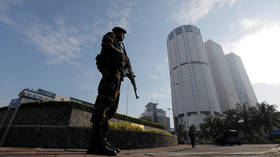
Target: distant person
192,134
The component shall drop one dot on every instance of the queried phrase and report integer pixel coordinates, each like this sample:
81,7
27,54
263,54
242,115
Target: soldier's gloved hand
130,75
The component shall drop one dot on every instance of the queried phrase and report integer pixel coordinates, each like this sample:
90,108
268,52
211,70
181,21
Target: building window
206,113
192,114
179,30
35,96
181,115
28,94
170,36
188,28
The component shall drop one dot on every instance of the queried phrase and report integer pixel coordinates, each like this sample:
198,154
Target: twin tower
203,80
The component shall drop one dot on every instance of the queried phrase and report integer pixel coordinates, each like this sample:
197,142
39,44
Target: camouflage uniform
111,63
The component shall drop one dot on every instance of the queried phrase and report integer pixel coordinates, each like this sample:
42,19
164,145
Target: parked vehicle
275,136
229,137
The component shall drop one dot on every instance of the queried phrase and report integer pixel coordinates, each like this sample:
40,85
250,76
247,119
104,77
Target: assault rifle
130,74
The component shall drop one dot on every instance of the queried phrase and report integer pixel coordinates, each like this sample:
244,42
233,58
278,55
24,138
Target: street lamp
246,101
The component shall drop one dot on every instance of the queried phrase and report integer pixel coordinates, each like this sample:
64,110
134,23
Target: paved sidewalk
180,150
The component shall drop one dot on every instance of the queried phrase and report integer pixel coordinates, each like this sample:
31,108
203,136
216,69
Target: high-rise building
241,80
192,88
154,114
224,84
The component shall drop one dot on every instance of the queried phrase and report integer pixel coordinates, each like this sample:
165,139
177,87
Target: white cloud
120,13
259,50
5,10
268,93
248,23
190,11
63,41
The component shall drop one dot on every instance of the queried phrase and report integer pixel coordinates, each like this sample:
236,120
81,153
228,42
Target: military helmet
119,29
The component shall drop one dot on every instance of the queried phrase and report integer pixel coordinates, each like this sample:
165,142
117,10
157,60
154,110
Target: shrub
3,108
138,121
126,126
160,131
134,127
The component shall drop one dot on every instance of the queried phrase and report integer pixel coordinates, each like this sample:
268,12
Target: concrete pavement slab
175,151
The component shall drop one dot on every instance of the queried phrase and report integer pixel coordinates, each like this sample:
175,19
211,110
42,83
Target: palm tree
212,128
203,133
248,120
268,117
231,120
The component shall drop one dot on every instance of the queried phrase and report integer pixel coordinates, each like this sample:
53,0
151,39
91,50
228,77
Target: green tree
268,117
212,127
231,120
251,121
182,133
247,120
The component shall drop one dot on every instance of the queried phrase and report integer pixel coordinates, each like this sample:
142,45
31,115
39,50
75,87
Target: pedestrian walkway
180,150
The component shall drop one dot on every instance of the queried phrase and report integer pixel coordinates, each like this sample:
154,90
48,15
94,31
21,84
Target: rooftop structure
154,114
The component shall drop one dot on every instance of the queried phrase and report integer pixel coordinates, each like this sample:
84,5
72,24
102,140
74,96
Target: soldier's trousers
105,107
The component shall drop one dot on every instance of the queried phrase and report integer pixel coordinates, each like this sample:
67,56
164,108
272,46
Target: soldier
192,134
111,62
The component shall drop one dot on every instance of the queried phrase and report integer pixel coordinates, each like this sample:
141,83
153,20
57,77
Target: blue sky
52,44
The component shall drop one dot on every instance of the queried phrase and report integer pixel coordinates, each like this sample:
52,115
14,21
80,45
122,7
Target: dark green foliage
253,122
3,108
211,128
86,108
268,117
182,133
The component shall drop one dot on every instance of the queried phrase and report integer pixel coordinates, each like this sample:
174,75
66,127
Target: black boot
102,151
112,147
107,143
97,143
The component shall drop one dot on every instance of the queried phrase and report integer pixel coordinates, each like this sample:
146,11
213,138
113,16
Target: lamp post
246,101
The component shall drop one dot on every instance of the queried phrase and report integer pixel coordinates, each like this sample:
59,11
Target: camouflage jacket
111,57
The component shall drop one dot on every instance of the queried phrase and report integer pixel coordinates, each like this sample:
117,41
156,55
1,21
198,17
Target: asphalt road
211,151
268,150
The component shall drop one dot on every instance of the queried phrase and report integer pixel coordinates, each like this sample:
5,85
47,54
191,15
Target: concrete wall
78,138
65,127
